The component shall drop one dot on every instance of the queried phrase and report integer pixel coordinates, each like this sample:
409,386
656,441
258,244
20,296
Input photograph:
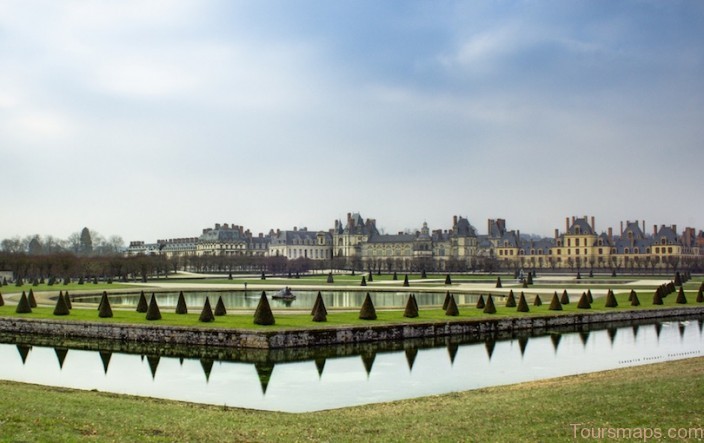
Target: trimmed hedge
181,304
452,309
490,308
522,304
511,300
23,305
206,315
104,311
263,315
153,312
220,308
367,312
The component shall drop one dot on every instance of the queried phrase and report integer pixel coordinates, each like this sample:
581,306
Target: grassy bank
664,396
243,319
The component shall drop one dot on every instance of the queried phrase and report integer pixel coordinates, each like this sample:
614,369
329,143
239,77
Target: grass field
291,320
639,401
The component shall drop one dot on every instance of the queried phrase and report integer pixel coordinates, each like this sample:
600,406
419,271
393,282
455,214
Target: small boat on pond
284,294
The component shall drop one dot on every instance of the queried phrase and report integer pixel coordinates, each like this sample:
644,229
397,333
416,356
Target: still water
299,380
304,299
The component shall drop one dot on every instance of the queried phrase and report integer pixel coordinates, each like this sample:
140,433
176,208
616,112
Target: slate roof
464,228
584,227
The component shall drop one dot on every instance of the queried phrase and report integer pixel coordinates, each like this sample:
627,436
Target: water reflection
303,300
311,379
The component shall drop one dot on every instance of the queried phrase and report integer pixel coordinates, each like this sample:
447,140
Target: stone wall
278,339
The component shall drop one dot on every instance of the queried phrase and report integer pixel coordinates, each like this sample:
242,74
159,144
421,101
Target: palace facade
357,243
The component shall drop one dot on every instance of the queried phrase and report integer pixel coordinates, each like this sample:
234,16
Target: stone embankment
279,339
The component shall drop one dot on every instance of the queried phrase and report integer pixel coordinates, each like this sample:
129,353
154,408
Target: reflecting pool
298,380
304,299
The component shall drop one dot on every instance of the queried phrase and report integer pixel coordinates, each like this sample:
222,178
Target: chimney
643,227
655,230
674,228
573,219
611,234
488,226
556,233
593,225
454,220
621,229
518,235
567,224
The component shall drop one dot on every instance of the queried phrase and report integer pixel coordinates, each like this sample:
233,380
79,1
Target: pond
304,299
300,380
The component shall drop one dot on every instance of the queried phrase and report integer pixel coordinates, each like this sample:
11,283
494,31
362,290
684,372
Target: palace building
356,243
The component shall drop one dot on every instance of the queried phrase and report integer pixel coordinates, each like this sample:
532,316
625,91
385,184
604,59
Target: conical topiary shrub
330,279
452,309
657,297
537,301
318,301
584,302
2,302
104,311
530,278
320,314
405,281
522,304
181,307
631,294
498,282
367,312
700,296
30,298
263,315
395,277
480,302
681,299
565,299
678,279
411,310
371,276
61,308
153,312
206,315
610,300
67,299
634,299
511,300
364,282
263,277
446,301
448,280
142,304
23,305
489,308
589,296
555,304
423,274
220,308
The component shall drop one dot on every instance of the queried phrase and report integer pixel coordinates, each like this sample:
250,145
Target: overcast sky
156,119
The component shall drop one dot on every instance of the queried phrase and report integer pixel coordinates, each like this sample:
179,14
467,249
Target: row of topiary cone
27,302
448,279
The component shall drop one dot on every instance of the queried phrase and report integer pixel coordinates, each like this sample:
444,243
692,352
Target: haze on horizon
157,119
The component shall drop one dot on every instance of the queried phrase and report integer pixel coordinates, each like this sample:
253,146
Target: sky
153,119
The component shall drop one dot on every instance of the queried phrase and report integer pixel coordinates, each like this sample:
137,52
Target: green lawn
657,397
345,317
